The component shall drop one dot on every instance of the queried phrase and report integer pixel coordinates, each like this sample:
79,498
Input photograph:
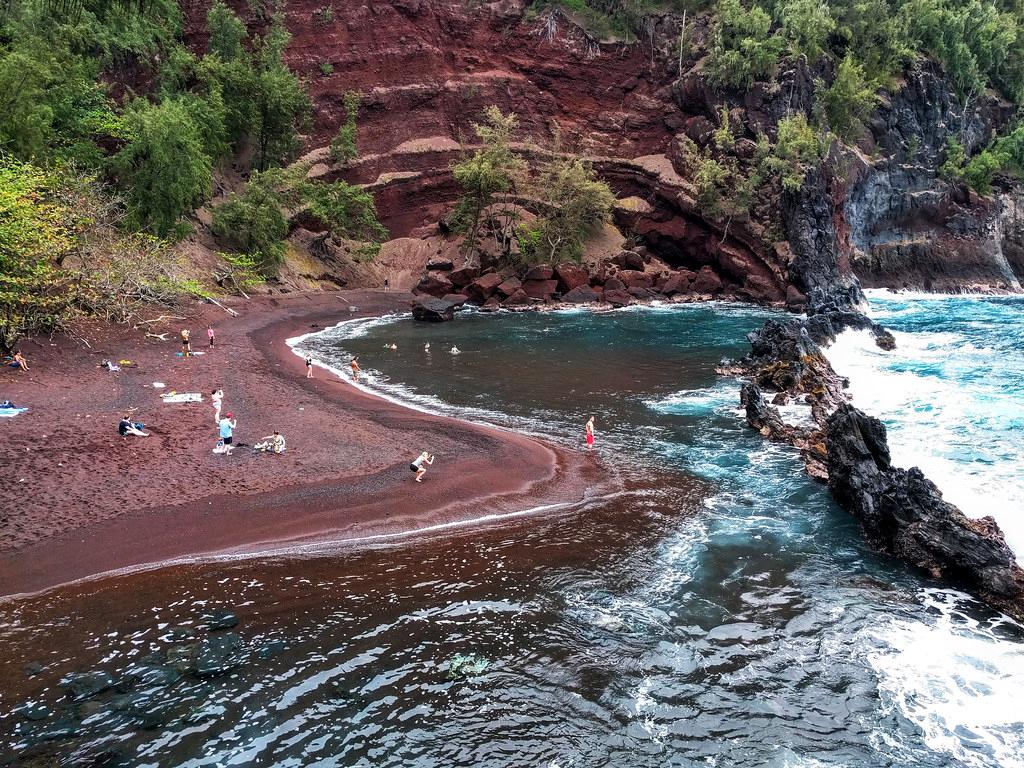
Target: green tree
489,171
574,204
347,210
163,167
807,24
281,105
252,223
952,167
849,100
797,149
227,32
343,146
743,47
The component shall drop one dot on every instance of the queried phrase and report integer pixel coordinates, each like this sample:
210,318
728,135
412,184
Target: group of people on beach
186,340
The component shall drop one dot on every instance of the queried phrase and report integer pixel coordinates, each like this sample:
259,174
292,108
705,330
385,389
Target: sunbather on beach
19,361
274,443
127,427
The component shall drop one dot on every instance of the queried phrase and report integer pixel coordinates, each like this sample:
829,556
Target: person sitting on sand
455,350
418,463
274,443
19,361
127,427
355,368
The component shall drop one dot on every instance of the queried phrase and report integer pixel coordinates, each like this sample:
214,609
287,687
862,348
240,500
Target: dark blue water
736,621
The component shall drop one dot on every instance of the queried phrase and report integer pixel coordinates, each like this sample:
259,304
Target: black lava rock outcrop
903,514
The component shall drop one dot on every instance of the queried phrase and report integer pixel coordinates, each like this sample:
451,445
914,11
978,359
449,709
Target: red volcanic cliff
426,69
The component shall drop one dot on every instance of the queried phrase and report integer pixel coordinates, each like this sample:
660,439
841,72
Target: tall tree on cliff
489,171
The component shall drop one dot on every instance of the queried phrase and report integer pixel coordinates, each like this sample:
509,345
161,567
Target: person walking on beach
355,368
217,396
309,366
211,335
227,431
186,344
418,465
590,432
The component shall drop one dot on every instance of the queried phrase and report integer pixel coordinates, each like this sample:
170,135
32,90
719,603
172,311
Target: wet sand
82,501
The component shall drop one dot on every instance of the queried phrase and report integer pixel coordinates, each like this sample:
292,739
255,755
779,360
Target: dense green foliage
574,205
253,222
849,100
1005,155
569,200
165,164
979,42
343,147
53,63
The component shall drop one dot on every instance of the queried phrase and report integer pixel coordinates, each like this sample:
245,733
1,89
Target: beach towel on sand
183,397
11,412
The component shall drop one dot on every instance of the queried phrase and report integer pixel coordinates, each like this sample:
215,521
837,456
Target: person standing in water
419,465
589,428
355,368
309,366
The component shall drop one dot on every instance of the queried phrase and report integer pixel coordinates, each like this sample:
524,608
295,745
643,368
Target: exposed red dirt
81,500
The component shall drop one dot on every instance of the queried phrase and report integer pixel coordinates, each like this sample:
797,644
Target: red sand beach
81,501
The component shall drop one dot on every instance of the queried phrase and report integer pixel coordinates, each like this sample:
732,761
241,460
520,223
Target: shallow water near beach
736,620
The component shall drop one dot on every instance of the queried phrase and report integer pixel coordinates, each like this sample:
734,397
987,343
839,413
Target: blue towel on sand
10,412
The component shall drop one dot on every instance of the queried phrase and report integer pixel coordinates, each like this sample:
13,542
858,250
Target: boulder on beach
483,287
518,299
539,272
581,294
433,285
571,276
433,310
540,289
464,276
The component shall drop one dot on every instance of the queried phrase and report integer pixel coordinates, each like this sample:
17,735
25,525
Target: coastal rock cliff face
910,228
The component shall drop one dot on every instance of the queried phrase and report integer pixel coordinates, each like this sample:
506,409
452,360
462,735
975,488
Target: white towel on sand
183,397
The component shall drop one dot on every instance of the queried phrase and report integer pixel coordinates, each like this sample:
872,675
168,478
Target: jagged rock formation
908,227
903,514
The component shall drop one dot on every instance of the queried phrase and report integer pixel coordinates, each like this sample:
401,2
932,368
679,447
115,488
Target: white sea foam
944,415
956,679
